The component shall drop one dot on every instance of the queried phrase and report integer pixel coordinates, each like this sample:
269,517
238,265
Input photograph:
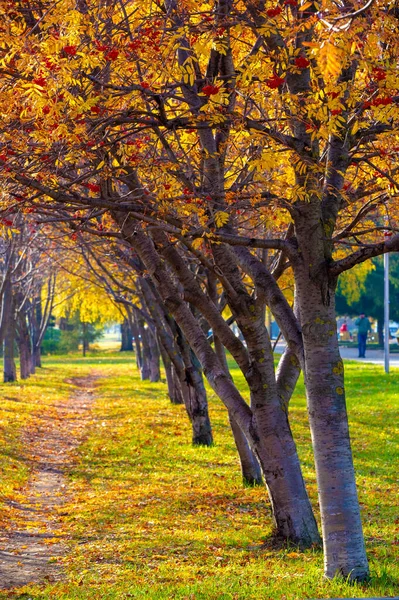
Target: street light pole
386,312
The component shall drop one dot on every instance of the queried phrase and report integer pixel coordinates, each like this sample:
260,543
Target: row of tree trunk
26,296
22,334
154,334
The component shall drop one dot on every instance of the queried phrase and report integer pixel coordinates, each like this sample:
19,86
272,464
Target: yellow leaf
306,6
221,218
330,60
197,243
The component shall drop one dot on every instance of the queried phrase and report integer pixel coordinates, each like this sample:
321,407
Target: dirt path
30,547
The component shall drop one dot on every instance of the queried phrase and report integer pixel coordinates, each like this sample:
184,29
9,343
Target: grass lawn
153,518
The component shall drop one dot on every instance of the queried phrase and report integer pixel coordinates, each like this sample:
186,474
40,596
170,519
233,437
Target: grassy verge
154,518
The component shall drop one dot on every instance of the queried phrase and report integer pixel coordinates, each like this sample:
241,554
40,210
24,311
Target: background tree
370,295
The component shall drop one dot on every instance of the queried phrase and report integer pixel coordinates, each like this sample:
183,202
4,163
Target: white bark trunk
344,549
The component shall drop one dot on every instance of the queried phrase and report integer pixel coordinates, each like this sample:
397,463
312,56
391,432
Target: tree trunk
24,346
344,550
35,326
194,395
9,331
275,446
196,403
155,371
174,389
24,359
145,351
380,331
126,333
84,339
37,359
137,343
250,468
10,372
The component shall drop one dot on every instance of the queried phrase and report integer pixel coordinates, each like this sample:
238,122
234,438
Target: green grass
154,518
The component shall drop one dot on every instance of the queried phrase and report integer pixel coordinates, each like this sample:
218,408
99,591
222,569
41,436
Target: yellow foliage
352,283
221,218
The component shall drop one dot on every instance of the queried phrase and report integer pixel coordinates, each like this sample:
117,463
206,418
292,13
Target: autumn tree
246,139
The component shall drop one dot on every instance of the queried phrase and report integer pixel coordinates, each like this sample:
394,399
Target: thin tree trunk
145,352
137,343
196,403
9,332
84,340
10,372
174,389
36,321
24,347
37,362
380,331
250,468
155,371
194,395
24,359
126,334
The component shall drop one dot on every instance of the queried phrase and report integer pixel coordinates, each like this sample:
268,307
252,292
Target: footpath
30,549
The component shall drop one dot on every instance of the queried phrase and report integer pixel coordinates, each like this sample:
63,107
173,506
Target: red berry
210,90
112,54
71,50
40,81
274,12
301,62
274,82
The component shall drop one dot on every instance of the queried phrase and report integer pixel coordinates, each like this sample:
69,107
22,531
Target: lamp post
386,311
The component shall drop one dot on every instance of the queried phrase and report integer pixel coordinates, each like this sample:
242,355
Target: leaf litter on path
33,541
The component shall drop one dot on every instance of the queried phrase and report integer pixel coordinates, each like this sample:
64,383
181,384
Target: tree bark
380,331
145,351
344,549
24,346
85,344
250,468
10,372
8,331
36,337
194,395
24,359
137,343
155,371
174,388
126,334
37,359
